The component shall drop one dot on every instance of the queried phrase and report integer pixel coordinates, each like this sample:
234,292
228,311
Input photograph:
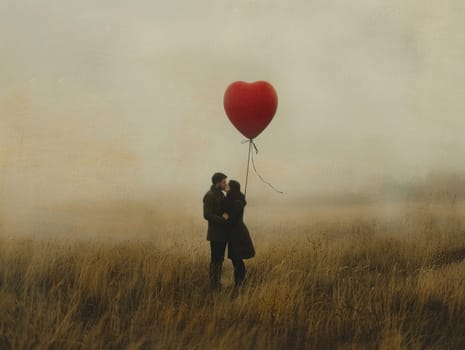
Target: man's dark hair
218,177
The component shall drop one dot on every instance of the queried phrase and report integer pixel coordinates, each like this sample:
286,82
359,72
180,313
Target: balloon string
248,162
252,143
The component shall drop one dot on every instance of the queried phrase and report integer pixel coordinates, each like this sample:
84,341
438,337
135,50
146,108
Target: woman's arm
236,209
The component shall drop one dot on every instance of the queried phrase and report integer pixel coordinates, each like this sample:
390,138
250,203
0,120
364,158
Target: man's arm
209,211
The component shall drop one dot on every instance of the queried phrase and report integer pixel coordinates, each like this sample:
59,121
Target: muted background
111,111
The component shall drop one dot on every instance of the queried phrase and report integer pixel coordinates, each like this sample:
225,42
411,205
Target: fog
121,102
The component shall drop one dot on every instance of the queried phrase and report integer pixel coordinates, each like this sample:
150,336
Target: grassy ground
358,283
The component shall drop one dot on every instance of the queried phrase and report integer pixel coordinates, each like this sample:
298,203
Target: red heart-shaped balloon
250,106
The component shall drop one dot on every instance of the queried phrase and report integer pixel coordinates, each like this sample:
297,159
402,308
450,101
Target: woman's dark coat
240,244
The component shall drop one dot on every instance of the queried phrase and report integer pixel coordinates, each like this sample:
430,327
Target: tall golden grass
359,283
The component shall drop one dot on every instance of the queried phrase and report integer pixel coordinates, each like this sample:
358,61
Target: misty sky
123,99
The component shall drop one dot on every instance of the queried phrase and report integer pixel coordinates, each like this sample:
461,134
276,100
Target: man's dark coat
212,212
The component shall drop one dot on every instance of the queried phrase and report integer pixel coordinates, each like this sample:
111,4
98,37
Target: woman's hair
235,191
235,186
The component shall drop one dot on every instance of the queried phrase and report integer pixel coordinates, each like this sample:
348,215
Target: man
217,232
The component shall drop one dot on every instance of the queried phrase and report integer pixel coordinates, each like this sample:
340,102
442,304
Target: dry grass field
348,280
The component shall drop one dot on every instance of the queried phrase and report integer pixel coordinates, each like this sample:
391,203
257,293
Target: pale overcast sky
104,99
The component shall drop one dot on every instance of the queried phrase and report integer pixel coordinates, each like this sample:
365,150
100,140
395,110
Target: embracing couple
226,228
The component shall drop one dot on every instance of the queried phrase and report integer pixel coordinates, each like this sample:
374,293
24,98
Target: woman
240,244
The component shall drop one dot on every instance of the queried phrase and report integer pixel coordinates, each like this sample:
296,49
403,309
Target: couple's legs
217,249
239,271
